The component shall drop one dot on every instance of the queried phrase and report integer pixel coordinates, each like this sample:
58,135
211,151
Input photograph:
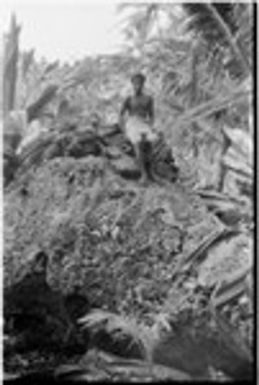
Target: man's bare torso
140,106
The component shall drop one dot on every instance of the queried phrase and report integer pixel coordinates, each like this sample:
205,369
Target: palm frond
214,197
34,109
229,37
203,110
120,326
140,22
230,287
125,6
49,68
33,153
197,255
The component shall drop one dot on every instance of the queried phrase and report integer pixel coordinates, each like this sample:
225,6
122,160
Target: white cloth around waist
135,127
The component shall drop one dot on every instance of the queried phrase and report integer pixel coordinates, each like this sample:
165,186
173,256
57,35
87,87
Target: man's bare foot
152,178
144,181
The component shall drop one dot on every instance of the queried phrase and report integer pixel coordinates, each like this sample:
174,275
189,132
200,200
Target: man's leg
148,147
146,154
140,155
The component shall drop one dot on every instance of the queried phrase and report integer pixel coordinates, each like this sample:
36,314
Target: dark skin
140,105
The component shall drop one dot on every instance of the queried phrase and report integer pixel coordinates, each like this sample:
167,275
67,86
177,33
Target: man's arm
151,111
125,107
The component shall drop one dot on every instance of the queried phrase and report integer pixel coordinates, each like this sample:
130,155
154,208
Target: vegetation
155,265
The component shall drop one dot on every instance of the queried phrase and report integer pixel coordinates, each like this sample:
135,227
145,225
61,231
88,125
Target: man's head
95,120
138,81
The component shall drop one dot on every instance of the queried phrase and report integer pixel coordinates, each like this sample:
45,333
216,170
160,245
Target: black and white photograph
128,206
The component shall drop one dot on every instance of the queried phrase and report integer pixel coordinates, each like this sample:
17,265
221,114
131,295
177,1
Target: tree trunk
11,52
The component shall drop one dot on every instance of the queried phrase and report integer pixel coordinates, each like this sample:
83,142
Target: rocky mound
101,231
123,246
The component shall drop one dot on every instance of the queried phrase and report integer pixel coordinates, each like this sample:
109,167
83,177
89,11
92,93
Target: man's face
137,85
95,120
46,121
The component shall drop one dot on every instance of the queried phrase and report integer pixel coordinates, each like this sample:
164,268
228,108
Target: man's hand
152,126
123,111
122,123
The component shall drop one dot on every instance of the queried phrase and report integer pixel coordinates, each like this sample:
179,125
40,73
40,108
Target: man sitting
138,126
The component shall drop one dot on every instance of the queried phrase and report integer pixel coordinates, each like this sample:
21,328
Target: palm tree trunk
10,66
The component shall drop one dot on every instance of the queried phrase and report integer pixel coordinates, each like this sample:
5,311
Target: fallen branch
199,253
